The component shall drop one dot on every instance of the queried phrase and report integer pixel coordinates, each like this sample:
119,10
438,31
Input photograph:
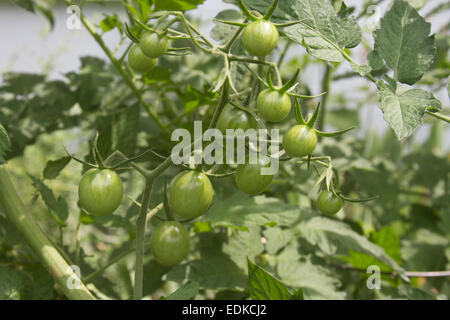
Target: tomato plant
170,243
100,191
354,179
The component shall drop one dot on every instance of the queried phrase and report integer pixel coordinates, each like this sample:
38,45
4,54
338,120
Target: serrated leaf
221,31
242,245
316,281
404,43
404,112
57,207
387,239
14,284
54,167
329,234
5,144
263,286
225,274
111,22
277,238
242,211
185,292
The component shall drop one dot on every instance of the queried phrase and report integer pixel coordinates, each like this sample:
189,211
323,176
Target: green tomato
273,106
138,61
235,118
328,203
300,141
170,243
100,191
153,45
189,194
249,179
260,37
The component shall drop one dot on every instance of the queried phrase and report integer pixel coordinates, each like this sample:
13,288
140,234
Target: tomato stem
246,12
270,11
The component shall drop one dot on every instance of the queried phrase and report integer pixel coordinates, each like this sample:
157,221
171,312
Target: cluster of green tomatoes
190,193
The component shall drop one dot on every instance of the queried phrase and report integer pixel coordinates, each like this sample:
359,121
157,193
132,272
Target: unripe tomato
260,37
300,141
234,118
100,191
170,243
328,203
189,194
138,61
273,106
153,45
249,179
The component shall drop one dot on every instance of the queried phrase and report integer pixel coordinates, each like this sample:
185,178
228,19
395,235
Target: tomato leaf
185,292
54,167
404,112
403,41
5,144
263,286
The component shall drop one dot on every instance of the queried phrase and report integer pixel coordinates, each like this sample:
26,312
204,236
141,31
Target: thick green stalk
53,261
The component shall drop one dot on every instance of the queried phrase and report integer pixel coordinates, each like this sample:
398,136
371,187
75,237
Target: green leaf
185,292
14,284
57,207
225,274
277,238
5,144
330,235
298,295
111,22
404,112
387,239
377,64
324,33
242,245
412,293
54,167
220,31
180,5
242,211
263,286
299,270
404,43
